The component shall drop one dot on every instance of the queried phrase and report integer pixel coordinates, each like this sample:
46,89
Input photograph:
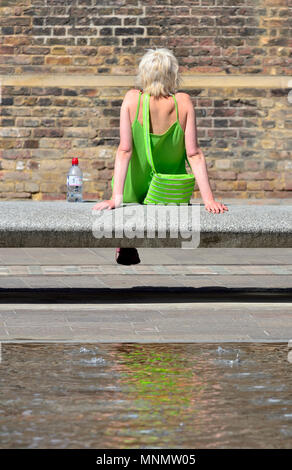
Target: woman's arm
199,168
123,156
197,160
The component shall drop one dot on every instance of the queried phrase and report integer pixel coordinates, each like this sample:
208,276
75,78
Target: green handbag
164,188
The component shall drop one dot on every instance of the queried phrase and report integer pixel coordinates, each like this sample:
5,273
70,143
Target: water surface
145,396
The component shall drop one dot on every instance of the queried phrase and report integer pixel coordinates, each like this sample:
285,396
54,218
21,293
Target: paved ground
174,295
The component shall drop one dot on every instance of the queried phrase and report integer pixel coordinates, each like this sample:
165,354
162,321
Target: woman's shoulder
131,96
132,92
182,95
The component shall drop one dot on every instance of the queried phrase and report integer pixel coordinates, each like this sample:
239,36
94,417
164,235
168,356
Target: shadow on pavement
147,294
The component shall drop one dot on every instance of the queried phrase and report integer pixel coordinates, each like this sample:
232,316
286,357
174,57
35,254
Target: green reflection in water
154,375
164,391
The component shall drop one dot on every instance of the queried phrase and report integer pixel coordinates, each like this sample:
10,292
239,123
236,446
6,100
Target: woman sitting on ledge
173,123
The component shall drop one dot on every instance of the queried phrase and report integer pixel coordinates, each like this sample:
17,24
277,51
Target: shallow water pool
145,396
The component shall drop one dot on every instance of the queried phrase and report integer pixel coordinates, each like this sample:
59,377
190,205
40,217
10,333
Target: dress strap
175,107
138,106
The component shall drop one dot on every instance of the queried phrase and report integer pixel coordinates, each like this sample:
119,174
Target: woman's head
158,72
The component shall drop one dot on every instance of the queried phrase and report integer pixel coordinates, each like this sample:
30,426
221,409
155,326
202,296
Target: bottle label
74,181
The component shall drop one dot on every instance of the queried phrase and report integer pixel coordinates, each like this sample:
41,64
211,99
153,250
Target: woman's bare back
162,111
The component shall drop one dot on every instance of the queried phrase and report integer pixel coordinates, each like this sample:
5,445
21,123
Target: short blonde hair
158,72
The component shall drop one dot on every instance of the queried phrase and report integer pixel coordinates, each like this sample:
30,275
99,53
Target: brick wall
245,132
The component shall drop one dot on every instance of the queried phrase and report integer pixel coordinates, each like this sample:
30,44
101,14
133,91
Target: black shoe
127,256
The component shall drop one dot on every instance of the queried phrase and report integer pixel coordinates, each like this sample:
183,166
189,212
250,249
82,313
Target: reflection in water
145,396
163,386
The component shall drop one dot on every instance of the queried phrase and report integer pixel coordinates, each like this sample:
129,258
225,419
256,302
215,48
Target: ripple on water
287,432
94,360
221,350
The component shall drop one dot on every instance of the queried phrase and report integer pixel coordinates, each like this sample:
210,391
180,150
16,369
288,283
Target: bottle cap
74,161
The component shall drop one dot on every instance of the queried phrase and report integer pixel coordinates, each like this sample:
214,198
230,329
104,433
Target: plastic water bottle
74,182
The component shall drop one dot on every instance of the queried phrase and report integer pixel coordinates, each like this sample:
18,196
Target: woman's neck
157,97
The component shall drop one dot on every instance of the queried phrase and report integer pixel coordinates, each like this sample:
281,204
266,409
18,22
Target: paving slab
149,256
160,322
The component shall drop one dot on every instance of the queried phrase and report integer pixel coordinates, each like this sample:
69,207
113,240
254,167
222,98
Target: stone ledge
188,81
64,224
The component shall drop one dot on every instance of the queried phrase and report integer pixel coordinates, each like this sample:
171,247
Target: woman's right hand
215,207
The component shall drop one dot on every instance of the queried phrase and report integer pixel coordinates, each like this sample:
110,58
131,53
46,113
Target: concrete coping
252,223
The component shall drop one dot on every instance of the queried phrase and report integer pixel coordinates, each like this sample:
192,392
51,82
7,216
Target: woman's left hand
215,207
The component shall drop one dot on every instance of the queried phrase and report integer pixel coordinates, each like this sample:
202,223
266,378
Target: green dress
169,156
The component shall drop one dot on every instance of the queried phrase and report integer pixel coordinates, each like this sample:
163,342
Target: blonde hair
158,72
